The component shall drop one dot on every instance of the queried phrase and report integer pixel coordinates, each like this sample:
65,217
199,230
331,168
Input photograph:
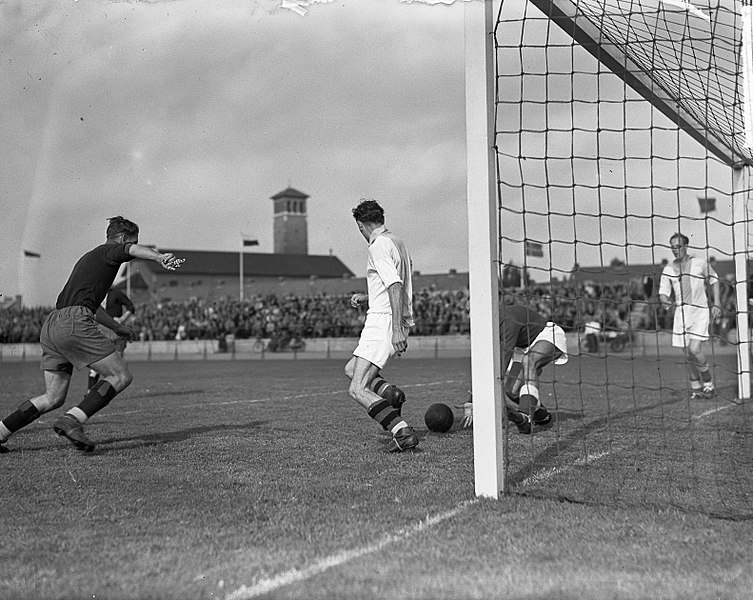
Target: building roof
725,269
289,193
207,262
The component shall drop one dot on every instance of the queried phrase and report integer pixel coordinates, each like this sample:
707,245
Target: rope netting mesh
619,124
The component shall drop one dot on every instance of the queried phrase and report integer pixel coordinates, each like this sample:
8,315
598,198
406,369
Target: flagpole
240,271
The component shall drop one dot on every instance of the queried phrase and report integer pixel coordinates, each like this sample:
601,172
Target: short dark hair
120,225
369,211
683,238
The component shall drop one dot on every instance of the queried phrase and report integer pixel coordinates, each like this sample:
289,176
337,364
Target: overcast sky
186,116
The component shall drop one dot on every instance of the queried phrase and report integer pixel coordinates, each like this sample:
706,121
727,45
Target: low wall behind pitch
446,346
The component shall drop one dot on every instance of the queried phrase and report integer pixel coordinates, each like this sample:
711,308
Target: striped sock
384,414
379,386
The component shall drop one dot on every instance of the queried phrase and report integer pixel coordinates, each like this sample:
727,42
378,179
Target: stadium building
290,269
213,274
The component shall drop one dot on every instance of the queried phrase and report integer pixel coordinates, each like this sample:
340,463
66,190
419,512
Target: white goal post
679,95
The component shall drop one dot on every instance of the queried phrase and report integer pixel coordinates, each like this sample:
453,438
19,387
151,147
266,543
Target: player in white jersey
686,278
385,331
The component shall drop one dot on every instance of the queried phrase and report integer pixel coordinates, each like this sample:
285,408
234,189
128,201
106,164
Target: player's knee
122,380
356,390
51,402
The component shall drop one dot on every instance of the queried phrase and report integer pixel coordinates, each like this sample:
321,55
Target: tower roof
289,193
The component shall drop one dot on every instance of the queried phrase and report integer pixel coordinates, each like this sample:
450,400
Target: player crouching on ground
70,337
541,342
385,331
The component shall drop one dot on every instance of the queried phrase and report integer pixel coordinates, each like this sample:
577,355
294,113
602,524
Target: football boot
521,420
405,439
67,426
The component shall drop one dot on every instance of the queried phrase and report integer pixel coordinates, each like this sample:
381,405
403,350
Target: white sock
399,426
78,414
4,433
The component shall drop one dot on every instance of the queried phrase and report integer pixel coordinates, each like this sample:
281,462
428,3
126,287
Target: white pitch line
708,413
268,399
536,477
267,585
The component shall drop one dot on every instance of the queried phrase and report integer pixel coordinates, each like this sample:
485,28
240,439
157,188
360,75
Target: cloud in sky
186,117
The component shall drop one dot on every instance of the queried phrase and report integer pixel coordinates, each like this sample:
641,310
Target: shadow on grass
170,437
572,438
140,441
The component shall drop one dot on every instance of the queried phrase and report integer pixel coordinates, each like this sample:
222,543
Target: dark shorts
70,337
119,342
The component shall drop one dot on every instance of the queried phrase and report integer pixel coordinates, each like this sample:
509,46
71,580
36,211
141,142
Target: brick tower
290,228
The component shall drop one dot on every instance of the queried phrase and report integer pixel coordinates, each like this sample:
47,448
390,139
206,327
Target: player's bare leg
699,372
56,390
361,373
538,356
114,378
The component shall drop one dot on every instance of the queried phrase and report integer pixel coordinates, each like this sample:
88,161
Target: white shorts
553,334
375,344
690,323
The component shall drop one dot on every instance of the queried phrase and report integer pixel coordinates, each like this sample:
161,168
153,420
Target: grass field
246,479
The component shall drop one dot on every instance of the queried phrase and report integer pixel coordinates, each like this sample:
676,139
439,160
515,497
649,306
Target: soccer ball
439,418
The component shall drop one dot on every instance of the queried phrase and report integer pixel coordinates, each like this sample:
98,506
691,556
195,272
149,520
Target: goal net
619,123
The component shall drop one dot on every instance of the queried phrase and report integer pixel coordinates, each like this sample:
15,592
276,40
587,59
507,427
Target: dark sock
21,417
97,398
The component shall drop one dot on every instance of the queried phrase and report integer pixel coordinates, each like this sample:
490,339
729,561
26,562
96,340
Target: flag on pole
31,254
534,249
707,204
248,241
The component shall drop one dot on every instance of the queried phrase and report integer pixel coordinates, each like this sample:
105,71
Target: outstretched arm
166,259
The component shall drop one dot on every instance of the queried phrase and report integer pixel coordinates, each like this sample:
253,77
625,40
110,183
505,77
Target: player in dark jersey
119,306
541,342
70,337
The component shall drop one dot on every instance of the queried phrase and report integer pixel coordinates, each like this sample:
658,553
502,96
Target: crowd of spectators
437,312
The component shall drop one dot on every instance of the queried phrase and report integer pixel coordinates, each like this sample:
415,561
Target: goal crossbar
590,37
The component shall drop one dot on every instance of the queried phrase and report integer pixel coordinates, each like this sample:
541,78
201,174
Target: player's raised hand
170,262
